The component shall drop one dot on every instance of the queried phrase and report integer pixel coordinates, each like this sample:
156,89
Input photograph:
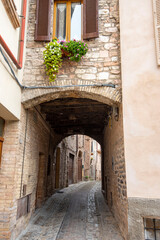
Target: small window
1,136
152,229
67,20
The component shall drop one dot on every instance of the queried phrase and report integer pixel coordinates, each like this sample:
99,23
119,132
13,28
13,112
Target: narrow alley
78,212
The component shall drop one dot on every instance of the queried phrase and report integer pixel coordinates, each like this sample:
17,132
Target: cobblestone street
78,212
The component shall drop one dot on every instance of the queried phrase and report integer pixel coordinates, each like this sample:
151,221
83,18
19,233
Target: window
1,136
67,19
152,229
156,9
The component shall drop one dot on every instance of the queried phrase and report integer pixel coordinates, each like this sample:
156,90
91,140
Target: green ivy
53,54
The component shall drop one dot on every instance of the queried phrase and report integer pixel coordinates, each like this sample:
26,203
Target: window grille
152,229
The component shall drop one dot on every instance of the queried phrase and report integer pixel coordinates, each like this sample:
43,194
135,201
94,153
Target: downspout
21,43
18,63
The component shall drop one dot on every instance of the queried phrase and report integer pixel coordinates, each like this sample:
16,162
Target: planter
64,53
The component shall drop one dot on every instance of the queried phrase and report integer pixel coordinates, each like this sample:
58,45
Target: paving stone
79,213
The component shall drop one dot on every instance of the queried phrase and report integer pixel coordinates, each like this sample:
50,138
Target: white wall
141,98
10,93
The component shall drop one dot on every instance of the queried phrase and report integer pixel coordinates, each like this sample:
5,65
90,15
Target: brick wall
26,142
114,172
7,173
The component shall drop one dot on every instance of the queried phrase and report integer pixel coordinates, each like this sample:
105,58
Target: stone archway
106,95
54,116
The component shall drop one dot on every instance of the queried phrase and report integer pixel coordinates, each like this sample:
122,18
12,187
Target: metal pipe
24,151
21,44
54,87
8,51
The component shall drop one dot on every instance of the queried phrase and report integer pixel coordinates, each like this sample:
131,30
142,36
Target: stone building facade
122,55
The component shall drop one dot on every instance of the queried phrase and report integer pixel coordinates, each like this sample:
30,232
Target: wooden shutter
43,18
156,8
23,206
90,19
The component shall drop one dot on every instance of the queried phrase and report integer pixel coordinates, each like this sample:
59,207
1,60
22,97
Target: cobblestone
78,212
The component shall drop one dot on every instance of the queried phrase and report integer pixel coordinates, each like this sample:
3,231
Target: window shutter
90,19
43,18
156,8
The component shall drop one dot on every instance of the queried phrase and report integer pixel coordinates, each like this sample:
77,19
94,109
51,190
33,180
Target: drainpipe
21,43
18,63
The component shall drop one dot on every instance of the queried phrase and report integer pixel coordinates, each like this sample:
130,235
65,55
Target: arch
59,138
107,95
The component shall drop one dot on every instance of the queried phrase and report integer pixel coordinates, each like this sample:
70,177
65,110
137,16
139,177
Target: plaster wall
141,98
10,93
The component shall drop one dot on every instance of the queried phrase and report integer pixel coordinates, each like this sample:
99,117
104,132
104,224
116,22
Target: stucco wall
141,98
10,93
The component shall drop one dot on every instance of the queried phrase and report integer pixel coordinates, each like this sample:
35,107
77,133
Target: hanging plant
52,59
75,49
55,50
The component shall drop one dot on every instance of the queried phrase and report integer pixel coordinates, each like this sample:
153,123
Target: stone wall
87,157
115,173
101,65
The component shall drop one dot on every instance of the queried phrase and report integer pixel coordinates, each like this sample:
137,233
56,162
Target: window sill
11,11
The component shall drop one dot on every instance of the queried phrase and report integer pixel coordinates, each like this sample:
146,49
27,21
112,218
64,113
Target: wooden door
70,168
57,167
79,169
41,181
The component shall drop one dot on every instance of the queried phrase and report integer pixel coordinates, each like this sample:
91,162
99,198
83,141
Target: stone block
103,75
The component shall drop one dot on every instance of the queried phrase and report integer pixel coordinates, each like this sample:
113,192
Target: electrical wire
52,87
